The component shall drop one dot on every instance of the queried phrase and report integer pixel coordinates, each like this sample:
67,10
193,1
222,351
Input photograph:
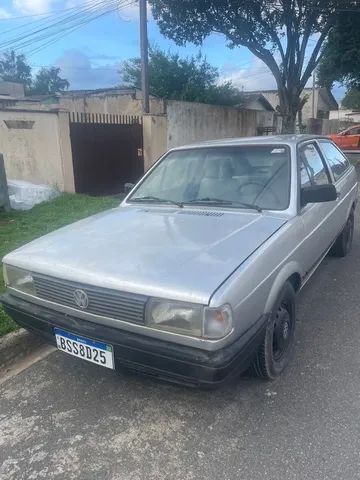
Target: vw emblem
81,298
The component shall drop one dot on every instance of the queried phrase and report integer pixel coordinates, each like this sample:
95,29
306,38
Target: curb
16,345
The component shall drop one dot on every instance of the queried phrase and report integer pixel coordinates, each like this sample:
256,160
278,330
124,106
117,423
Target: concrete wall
267,119
109,103
36,147
12,89
155,138
193,122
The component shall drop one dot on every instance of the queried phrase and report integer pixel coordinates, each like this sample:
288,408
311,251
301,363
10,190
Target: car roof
268,140
351,127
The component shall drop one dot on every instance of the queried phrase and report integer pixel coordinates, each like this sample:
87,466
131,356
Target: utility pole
313,95
144,46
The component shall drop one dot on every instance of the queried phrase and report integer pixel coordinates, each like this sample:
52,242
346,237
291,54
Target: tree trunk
289,123
288,108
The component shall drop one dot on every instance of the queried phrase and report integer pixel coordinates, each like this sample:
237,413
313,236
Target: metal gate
107,151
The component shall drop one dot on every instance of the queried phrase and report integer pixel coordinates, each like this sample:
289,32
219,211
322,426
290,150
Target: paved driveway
65,419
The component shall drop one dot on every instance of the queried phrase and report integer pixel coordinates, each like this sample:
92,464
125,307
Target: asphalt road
66,419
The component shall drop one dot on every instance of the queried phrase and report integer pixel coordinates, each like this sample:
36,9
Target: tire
343,243
277,347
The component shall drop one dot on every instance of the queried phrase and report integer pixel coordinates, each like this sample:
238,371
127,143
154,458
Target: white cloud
253,75
79,70
4,13
33,6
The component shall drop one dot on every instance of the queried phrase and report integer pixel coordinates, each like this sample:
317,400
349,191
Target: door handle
338,194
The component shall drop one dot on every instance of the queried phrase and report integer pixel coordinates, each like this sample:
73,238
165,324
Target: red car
349,139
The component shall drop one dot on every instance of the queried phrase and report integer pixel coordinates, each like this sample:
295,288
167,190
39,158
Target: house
267,118
256,101
344,115
319,103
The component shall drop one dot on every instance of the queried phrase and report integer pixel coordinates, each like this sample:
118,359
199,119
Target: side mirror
128,187
318,194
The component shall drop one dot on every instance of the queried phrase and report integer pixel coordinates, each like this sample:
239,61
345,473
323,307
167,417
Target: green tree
48,81
352,99
276,31
341,59
14,68
189,79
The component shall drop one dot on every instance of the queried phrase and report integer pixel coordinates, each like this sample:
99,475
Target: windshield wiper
151,198
219,201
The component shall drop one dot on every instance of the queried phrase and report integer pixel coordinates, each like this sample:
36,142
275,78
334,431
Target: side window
304,176
338,163
354,131
311,161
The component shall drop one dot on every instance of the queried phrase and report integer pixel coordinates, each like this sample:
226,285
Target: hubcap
282,333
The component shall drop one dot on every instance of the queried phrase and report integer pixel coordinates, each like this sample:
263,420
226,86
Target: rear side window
312,166
355,131
337,162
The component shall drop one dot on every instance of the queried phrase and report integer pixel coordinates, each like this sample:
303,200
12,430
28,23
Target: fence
105,118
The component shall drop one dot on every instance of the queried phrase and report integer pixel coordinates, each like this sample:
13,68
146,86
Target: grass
20,227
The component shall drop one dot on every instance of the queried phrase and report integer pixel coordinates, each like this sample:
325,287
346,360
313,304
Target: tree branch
314,59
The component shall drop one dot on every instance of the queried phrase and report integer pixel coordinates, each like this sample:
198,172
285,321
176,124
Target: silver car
194,277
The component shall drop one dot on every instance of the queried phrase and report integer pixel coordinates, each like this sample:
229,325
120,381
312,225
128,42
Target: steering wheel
262,187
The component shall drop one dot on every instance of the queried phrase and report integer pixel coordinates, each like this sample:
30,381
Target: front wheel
343,243
276,350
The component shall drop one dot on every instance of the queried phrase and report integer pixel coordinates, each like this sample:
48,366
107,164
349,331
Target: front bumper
164,360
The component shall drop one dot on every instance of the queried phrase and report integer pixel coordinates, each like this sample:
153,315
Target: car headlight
189,319
19,279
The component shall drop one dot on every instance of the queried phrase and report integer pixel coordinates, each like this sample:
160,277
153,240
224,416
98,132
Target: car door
351,139
340,169
320,227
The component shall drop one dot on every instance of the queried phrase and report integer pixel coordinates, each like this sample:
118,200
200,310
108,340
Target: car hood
170,253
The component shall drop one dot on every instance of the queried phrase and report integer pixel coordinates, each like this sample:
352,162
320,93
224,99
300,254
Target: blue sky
91,56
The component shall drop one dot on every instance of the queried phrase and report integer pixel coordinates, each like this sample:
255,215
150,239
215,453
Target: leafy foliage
14,68
48,81
277,32
352,99
189,79
341,59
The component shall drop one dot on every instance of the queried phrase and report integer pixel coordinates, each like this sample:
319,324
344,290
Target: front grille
101,301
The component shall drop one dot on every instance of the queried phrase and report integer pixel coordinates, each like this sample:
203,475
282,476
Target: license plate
91,350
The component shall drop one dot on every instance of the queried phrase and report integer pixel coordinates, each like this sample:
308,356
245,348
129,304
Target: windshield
239,177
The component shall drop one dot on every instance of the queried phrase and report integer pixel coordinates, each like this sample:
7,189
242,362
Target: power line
48,32
93,7
44,14
68,31
51,16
